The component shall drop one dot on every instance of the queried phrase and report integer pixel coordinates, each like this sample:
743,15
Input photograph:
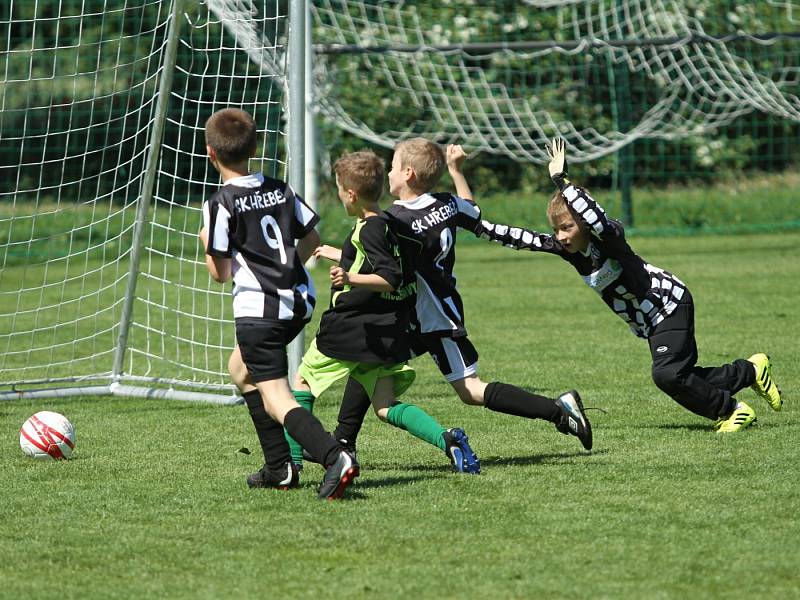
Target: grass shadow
536,459
499,461
387,481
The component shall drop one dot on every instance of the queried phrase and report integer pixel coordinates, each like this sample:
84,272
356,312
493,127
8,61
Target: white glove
557,151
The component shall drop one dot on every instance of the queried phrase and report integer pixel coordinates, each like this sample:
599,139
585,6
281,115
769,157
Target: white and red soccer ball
47,436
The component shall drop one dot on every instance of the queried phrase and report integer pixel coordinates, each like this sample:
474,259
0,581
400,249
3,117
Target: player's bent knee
472,399
470,391
667,380
382,413
300,384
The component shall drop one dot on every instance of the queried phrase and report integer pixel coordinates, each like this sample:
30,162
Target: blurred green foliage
79,88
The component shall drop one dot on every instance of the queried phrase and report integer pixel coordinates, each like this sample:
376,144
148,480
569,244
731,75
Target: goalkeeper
655,303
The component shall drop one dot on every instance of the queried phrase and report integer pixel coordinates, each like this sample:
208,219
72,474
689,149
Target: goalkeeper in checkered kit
656,304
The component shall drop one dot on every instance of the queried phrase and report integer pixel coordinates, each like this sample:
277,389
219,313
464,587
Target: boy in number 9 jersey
249,231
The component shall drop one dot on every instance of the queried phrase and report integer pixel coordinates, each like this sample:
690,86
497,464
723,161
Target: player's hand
328,252
455,156
557,151
339,277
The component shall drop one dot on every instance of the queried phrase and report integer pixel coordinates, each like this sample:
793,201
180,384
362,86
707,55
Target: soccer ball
47,436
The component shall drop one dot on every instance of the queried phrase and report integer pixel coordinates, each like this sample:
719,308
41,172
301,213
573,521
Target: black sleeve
378,245
519,238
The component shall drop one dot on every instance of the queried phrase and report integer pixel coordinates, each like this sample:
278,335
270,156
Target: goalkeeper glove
557,151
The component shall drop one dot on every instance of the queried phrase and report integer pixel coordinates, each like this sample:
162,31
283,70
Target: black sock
511,400
309,433
270,433
355,404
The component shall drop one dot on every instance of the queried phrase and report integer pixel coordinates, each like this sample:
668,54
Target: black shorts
456,357
263,342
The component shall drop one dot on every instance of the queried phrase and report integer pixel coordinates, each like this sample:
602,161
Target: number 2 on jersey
269,224
446,242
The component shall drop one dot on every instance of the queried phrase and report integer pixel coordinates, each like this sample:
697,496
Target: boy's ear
212,154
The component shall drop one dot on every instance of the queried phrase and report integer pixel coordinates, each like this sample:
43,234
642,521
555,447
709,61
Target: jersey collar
419,202
253,180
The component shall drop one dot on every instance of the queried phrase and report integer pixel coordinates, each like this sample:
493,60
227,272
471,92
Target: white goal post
103,287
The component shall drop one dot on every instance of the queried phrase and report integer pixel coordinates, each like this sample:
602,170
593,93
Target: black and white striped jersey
431,220
254,220
641,294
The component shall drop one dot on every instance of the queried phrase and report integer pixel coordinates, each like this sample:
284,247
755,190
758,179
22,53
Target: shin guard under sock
511,400
270,432
306,400
306,429
418,423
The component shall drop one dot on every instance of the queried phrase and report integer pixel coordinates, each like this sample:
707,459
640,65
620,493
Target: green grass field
154,503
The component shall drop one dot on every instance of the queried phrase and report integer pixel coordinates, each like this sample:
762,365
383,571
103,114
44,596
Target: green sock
306,400
418,423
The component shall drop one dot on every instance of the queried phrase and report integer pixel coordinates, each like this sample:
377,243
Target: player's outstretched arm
219,268
329,252
579,200
518,238
455,156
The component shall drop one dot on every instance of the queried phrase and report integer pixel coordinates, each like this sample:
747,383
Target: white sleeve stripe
468,208
206,215
286,305
221,239
303,213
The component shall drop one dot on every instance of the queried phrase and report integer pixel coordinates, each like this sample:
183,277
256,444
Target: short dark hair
361,172
231,133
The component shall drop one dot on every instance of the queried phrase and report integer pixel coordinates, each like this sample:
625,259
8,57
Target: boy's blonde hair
232,134
558,206
426,158
361,172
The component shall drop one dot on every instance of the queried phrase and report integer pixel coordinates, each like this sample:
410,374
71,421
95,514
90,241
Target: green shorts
321,371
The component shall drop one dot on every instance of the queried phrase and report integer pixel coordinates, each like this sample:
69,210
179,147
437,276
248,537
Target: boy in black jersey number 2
656,305
430,221
249,230
364,333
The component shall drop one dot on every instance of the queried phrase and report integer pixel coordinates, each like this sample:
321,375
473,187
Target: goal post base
117,389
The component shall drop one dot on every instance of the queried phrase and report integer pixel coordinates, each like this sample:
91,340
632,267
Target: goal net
102,176
503,77
103,169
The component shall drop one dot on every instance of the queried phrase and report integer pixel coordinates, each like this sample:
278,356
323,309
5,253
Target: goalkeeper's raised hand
557,151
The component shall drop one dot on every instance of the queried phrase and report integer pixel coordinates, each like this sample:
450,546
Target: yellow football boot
764,386
741,417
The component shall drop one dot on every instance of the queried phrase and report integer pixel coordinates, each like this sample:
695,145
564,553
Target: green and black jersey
362,325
